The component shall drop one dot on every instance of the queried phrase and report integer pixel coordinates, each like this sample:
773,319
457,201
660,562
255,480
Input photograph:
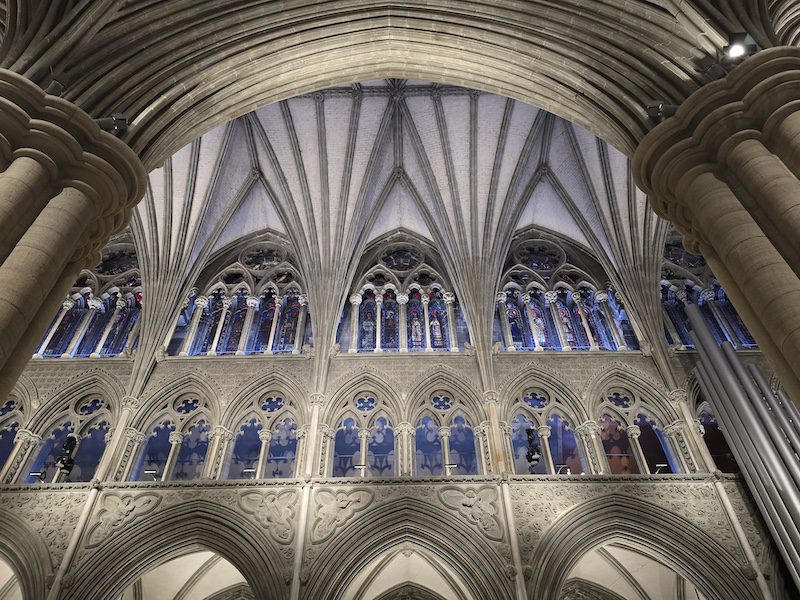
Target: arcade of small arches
184,438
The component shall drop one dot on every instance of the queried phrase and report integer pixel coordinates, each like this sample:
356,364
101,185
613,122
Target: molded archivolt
166,534
26,554
675,542
411,522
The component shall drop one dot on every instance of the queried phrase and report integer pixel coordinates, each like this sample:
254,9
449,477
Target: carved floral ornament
478,506
334,509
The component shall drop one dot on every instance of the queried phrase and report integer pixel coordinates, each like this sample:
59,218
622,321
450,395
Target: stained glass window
90,451
288,322
564,449
282,450
246,451
390,324
367,322
437,314
463,449
153,458
617,446
380,449
428,455
45,460
192,454
229,341
523,432
415,316
346,449
717,444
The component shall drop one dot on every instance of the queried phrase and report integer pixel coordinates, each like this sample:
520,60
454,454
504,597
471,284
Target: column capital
68,303
26,435
120,303
327,431
130,403
674,428
551,296
265,435
356,299
588,428
402,298
226,301
633,431
544,431
303,430
303,300
201,301
134,435
253,301
316,399
444,432
425,299
526,298
449,297
500,297
707,294
601,296
175,437
576,297
682,296
403,428
482,429
491,397
363,433
677,396
700,427
221,432
378,298
94,304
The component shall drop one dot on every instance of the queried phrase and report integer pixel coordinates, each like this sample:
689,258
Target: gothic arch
193,381
94,381
421,523
440,378
652,528
270,381
365,381
533,374
165,534
620,374
27,394
27,554
409,590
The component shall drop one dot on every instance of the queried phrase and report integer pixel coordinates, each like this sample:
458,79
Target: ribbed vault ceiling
335,170
177,66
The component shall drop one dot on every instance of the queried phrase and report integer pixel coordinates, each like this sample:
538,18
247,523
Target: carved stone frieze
273,511
334,509
478,505
117,511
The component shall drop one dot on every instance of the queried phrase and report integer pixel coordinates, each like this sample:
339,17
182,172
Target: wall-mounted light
40,475
152,472
660,110
251,472
740,45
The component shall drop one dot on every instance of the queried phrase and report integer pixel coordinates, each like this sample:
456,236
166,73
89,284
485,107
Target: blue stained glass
463,450
437,313
246,450
155,454
617,446
390,323
654,447
90,451
717,444
567,458
118,337
745,339
536,399
428,454
192,454
266,315
621,400
441,402
187,405
516,320
7,435
520,443
365,403
229,341
415,317
282,450
209,321
51,449
96,328
380,449
89,407
366,323
346,449
272,403
288,323
65,330
7,407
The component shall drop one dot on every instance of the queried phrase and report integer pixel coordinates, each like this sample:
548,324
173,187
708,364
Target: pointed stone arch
26,553
167,532
365,380
191,381
273,380
408,520
442,378
686,549
533,374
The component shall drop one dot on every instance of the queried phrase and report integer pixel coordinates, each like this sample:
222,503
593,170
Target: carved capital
355,299
265,435
501,297
404,428
601,296
175,437
95,304
707,295
544,431
133,435
526,299
68,303
201,301
588,429
327,431
551,296
677,396
425,299
633,431
316,399
130,403
674,428
402,298
444,432
449,297
491,397
303,300
363,433
26,436
253,301
221,432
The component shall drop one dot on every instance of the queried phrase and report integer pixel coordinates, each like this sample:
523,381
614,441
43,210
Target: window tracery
401,303
253,305
87,422
364,439
548,303
633,436
12,418
265,440
100,314
176,443
444,438
539,423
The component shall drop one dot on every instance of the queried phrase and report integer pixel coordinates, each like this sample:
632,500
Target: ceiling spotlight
740,45
660,110
116,124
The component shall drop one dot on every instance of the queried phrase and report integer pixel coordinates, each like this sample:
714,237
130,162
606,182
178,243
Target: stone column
378,322
576,298
66,306
274,326
326,437
133,439
363,438
200,304
218,440
676,339
634,432
114,452
498,461
93,306
482,432
402,301
537,343
589,434
66,187
118,306
175,440
131,339
252,306
602,298
265,436
449,301
544,441
404,447
425,301
223,318
25,443
355,302
505,326
303,442
551,297
725,171
675,433
444,435
300,332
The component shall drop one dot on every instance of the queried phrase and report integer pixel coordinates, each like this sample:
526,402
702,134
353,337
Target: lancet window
364,440
633,437
402,304
265,441
12,418
72,446
444,438
176,442
687,279
541,437
99,316
715,440
548,303
255,305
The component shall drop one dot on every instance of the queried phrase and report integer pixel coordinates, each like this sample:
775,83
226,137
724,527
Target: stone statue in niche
436,329
368,331
416,331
